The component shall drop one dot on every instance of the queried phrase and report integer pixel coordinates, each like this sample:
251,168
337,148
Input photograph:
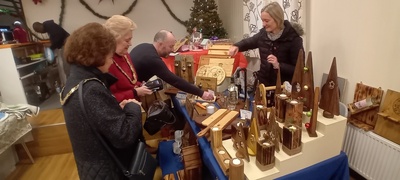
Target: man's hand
207,96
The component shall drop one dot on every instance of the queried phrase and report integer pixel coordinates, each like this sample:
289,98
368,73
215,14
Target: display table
240,60
318,154
328,144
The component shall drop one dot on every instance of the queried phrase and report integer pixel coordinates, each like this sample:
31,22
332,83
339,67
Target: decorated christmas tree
204,17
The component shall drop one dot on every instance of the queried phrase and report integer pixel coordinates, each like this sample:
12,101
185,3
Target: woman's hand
126,101
233,50
273,60
143,90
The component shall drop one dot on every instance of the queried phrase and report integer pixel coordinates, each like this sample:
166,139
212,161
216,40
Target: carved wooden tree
308,84
298,76
330,93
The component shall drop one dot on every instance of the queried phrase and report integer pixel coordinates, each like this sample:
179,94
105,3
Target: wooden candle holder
216,137
236,169
265,158
184,67
240,144
294,112
291,139
280,104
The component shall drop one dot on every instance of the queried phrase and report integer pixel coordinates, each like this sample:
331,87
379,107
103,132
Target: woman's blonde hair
119,25
276,12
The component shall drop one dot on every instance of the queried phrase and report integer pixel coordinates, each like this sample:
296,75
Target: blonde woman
127,86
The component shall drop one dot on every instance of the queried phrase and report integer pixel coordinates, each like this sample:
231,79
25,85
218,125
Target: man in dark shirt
57,36
56,33
147,61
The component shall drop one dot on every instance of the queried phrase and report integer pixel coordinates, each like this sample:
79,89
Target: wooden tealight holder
280,105
236,169
265,158
192,162
220,153
240,144
291,139
184,67
294,112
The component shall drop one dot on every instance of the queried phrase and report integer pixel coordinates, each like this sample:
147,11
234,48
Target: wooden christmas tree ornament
240,144
308,84
298,76
330,93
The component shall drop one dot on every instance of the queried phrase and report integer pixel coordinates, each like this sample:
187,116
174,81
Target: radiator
371,155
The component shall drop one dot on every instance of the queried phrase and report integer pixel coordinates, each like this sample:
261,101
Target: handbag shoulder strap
103,142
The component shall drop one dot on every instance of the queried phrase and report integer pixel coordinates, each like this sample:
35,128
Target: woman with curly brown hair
89,50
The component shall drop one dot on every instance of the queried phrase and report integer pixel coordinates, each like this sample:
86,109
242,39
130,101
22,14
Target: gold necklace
134,80
63,100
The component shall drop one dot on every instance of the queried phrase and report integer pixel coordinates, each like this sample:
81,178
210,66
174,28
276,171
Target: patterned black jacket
285,48
120,127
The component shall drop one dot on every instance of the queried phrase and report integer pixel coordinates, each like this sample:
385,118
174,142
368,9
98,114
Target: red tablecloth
240,60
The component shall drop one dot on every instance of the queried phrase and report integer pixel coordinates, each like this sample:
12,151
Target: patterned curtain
293,11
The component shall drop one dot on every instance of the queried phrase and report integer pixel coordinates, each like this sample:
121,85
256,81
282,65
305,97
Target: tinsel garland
106,17
184,23
61,18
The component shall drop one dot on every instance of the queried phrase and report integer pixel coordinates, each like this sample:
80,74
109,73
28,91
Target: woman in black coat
89,50
279,43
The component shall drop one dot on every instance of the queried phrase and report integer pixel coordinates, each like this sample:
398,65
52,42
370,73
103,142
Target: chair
343,109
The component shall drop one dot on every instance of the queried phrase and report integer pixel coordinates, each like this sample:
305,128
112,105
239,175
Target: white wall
364,37
149,15
231,14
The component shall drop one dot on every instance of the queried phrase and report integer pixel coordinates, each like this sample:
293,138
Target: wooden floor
61,166
52,167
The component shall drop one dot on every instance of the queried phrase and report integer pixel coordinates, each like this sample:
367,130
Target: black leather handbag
142,165
158,115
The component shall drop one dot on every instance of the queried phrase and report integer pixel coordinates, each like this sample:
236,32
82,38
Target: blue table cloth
335,168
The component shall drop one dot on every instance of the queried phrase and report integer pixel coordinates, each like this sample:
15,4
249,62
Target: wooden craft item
180,175
206,83
257,94
294,112
280,105
239,143
278,82
308,84
226,64
291,139
262,117
212,71
219,49
221,121
205,59
388,123
265,158
254,133
235,128
329,101
189,107
179,44
273,130
311,129
192,162
236,169
366,118
184,67
263,94
297,78
216,137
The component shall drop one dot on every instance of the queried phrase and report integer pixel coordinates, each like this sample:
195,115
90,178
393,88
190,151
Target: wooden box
226,62
388,122
219,49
